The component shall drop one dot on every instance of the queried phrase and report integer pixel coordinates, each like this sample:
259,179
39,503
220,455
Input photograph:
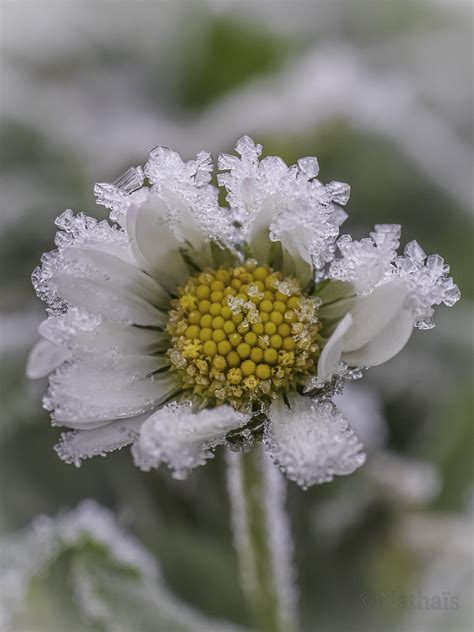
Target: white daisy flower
183,325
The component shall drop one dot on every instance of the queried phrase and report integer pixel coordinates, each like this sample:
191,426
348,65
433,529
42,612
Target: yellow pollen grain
205,334
192,332
270,328
248,367
233,359
263,371
243,350
224,347
229,327
209,348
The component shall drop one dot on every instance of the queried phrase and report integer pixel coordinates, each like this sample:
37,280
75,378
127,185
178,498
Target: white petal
81,331
371,314
84,444
120,273
311,442
181,439
44,358
387,343
154,243
331,353
93,391
102,297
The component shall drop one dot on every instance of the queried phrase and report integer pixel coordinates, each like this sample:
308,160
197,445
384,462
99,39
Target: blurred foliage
222,56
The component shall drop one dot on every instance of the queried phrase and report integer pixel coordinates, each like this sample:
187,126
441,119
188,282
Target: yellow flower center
242,333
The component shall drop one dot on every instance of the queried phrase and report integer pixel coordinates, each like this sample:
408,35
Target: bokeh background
381,92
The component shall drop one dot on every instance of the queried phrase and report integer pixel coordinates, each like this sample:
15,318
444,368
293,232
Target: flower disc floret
242,333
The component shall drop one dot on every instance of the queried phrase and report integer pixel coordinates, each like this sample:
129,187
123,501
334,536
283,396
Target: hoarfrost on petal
116,195
285,204
94,390
77,445
427,282
311,442
367,262
182,439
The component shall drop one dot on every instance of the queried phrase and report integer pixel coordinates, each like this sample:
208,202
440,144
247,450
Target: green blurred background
381,92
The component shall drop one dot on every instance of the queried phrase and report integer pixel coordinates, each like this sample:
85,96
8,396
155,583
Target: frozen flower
184,325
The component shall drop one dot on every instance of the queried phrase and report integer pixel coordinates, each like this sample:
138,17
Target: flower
183,325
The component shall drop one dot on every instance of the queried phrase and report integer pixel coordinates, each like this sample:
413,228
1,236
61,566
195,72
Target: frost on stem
262,539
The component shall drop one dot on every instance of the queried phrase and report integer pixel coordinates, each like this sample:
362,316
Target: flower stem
262,539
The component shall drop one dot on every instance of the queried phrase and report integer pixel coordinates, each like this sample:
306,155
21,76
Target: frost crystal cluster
182,324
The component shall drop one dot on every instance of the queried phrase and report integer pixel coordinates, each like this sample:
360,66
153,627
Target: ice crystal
182,439
115,196
294,204
366,262
427,283
312,442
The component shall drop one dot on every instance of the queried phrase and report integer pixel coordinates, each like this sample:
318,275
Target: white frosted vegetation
116,582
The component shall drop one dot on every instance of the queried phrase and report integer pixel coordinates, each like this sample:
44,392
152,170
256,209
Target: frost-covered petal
94,390
154,242
84,444
331,353
427,283
277,203
101,297
371,314
87,271
367,262
182,439
44,358
311,442
383,346
80,331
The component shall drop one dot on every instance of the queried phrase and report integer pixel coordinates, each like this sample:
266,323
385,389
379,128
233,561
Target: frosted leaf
311,442
28,553
181,439
427,283
289,202
367,262
77,445
115,196
116,583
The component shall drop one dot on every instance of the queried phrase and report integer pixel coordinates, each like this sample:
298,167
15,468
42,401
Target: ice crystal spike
114,195
340,192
